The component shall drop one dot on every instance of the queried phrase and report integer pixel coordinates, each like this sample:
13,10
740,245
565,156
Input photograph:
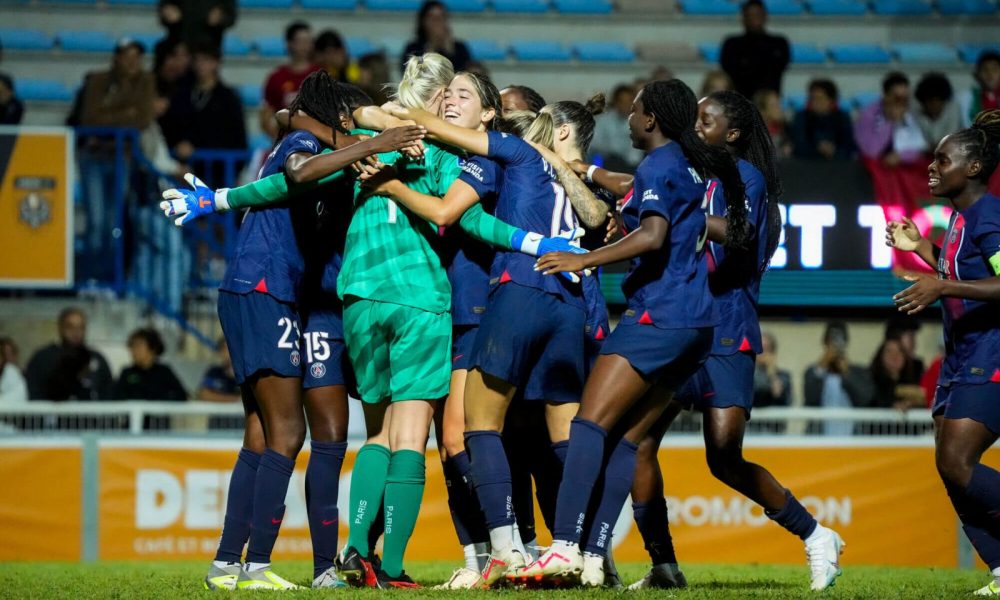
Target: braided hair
319,98
675,109
754,145
981,142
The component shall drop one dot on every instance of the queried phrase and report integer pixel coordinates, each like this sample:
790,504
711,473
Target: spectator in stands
171,71
331,54
11,107
929,380
833,382
69,370
434,35
13,389
373,76
896,377
771,386
768,102
9,352
755,60
822,129
283,83
197,21
904,328
611,140
939,114
147,378
887,130
715,81
219,382
985,94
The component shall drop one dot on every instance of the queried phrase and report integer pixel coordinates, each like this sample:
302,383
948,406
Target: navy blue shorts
667,357
970,401
722,382
262,333
326,361
462,339
534,341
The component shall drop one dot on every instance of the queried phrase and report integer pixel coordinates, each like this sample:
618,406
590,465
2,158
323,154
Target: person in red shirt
283,83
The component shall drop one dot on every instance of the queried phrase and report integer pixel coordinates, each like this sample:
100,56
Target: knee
955,470
723,463
328,431
454,442
288,441
646,455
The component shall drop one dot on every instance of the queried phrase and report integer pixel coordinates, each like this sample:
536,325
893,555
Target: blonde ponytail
424,76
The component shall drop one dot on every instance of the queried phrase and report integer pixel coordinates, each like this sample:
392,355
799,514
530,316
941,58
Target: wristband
222,199
589,177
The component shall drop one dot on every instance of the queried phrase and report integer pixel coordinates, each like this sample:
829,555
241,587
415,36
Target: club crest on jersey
317,370
294,357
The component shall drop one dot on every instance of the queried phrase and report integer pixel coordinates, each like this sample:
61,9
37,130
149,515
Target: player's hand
400,138
562,262
579,167
367,167
926,290
903,235
196,202
381,181
613,228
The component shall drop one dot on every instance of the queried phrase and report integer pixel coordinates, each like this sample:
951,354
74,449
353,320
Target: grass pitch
717,582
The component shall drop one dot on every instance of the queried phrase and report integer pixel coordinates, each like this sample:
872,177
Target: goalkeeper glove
535,244
190,204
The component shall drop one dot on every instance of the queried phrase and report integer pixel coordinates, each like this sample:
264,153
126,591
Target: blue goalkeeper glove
194,203
535,244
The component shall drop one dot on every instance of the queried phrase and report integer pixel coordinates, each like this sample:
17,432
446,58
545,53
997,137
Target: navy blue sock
239,507
322,489
583,466
470,525
491,477
618,477
654,526
548,479
794,517
984,490
976,526
269,491
561,448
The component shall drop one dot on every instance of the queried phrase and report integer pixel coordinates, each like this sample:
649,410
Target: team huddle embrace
439,258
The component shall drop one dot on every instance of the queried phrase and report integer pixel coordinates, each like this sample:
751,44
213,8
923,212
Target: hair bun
596,104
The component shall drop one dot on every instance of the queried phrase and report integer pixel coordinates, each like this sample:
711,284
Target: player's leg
520,446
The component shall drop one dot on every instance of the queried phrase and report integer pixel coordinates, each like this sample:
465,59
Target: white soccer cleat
993,589
263,579
562,562
823,550
328,579
593,570
462,579
663,577
500,565
223,578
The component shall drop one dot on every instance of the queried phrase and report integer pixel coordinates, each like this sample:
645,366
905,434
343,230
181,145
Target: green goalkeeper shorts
398,352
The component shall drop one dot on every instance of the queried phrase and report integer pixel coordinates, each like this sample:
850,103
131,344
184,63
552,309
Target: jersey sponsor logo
317,370
473,170
295,358
309,144
695,175
648,195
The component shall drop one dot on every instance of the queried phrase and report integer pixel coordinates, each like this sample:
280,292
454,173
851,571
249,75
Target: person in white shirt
13,389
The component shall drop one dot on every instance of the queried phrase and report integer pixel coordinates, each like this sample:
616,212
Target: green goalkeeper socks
404,491
368,483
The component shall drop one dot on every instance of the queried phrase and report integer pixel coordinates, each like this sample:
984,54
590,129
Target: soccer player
520,97
664,335
966,413
723,388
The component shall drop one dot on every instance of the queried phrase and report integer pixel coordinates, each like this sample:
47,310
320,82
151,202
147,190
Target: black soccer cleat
355,570
403,582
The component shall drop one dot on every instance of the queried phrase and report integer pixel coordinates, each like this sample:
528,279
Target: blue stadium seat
466,6
579,7
864,99
520,6
400,5
251,94
329,4
837,7
795,102
146,38
923,52
486,50
966,7
270,45
359,46
25,39
266,4
708,7
133,2
234,46
540,50
858,54
710,51
603,52
970,52
899,8
784,7
807,54
86,41
42,90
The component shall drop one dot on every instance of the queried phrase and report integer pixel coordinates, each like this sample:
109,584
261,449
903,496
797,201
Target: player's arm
904,235
592,212
617,183
926,289
470,140
443,212
649,236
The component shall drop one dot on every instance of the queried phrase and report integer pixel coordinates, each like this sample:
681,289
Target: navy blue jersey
471,259
530,197
734,278
269,253
668,287
971,327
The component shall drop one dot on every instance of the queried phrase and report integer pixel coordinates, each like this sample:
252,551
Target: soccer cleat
386,582
561,563
823,552
662,577
993,589
223,578
354,570
500,565
328,580
593,570
462,579
263,579
612,579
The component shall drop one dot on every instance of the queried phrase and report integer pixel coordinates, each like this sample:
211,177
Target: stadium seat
807,54
708,7
848,54
589,7
266,4
359,46
250,94
921,52
486,50
466,6
86,41
400,5
603,52
270,45
837,7
710,51
667,52
520,6
970,52
133,2
901,8
25,39
329,4
146,38
864,99
966,7
540,50
795,102
784,7
42,90
234,46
